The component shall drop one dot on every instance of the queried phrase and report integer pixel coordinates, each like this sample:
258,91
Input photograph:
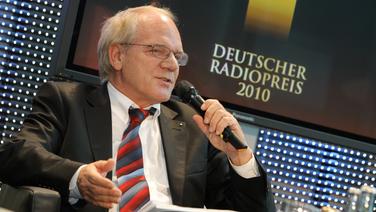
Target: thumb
105,166
200,123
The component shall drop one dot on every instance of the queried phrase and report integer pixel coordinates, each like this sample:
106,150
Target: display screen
313,62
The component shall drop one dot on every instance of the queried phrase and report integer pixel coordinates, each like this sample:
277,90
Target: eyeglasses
163,52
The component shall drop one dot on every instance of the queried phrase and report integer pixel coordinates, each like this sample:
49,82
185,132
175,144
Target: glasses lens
164,52
182,58
161,51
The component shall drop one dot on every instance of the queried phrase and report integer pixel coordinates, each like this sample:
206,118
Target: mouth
166,80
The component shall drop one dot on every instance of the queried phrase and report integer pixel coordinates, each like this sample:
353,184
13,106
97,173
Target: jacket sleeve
30,157
227,190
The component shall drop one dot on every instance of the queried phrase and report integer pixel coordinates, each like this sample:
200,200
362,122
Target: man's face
145,78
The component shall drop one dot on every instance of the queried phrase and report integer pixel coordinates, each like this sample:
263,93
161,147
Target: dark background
334,40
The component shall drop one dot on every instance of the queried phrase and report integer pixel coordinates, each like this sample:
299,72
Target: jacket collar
98,122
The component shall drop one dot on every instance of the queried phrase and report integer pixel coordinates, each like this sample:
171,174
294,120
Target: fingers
210,106
200,123
95,188
106,197
95,175
228,121
217,117
98,180
205,128
104,166
215,120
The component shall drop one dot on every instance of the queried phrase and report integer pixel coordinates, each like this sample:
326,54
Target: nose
170,63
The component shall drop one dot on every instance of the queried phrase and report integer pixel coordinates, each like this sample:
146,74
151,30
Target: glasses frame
181,57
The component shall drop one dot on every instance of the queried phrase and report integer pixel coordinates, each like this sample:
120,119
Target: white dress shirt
152,150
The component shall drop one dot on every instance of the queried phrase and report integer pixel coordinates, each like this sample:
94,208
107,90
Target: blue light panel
312,171
28,32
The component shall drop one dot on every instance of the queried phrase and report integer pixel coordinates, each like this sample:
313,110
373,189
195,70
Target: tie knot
137,115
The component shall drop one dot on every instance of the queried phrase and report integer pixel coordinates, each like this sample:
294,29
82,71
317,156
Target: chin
163,97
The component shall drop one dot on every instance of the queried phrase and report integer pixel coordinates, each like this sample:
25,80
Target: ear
115,56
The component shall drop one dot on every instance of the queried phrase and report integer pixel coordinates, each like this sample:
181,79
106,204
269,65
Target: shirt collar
119,99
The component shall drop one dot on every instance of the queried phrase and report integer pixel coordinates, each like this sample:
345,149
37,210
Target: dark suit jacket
73,121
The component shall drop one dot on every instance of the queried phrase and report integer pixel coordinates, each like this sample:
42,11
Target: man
74,129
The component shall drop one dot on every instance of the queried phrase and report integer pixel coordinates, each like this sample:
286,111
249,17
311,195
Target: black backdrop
330,43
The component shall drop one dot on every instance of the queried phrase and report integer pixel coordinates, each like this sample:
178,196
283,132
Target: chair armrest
29,198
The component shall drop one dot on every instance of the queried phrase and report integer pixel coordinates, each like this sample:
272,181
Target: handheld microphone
187,92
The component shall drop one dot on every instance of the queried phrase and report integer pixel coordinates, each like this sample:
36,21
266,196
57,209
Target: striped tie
129,165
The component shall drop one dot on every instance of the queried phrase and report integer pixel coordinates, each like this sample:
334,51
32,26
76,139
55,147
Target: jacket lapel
174,143
98,122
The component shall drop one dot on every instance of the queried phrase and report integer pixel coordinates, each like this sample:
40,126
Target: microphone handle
227,135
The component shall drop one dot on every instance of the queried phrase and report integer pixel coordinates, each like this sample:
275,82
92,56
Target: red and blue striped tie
129,165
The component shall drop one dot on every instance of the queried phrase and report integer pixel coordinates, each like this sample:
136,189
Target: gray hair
121,28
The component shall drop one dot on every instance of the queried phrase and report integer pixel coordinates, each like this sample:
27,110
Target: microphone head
185,90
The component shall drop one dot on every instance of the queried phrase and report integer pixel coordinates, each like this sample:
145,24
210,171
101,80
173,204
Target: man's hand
216,119
95,187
